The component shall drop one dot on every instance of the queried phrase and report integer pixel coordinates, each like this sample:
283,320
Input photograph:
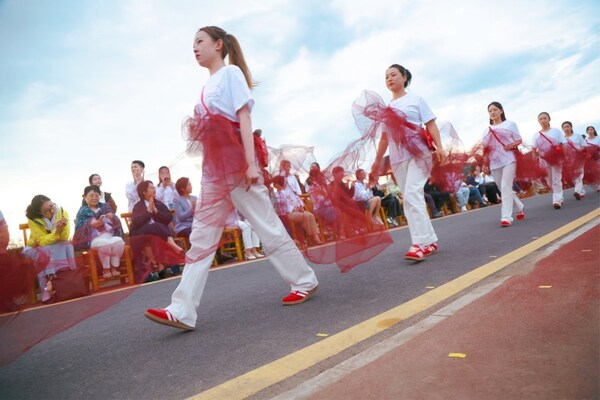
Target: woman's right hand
251,176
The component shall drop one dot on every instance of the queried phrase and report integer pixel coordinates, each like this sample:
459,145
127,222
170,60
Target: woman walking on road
501,141
222,127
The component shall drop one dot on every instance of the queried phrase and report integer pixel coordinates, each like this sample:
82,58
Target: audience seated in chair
473,182
185,207
322,205
97,227
105,197
490,187
289,204
439,198
293,180
390,201
364,196
150,229
48,245
250,238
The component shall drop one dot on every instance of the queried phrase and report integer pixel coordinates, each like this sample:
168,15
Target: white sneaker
463,209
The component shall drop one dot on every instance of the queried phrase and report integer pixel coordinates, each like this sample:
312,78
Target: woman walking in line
222,127
548,142
411,155
501,140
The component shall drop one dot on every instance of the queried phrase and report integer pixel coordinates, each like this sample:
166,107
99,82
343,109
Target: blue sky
89,86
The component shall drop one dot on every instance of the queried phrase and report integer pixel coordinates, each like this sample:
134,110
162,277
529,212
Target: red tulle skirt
591,175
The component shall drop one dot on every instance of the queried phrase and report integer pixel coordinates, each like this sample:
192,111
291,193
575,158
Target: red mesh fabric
551,152
591,175
574,162
491,148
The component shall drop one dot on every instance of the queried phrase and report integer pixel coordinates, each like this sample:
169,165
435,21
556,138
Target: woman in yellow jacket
48,243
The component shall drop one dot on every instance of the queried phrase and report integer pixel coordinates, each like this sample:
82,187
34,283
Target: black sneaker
152,277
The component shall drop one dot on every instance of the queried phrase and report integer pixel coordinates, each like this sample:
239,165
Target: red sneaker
505,223
299,296
556,205
521,215
430,249
415,253
166,318
577,196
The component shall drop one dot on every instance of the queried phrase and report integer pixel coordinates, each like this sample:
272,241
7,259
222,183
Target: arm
381,149
163,215
39,236
139,215
248,143
433,130
182,212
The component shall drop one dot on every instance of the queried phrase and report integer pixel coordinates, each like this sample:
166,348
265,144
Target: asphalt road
119,354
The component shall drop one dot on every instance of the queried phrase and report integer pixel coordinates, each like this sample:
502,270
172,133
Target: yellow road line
261,378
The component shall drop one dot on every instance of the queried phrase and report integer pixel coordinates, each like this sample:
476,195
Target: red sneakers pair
299,296
164,317
416,253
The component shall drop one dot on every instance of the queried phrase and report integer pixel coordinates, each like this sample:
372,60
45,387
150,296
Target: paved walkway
536,336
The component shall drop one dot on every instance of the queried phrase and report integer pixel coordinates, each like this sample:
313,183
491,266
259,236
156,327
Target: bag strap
496,136
571,144
546,137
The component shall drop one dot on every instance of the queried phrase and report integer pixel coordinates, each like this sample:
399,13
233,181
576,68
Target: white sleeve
239,90
426,113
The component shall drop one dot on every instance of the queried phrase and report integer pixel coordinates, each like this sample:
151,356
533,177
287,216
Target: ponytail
231,47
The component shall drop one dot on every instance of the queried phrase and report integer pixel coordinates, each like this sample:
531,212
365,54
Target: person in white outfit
548,142
137,172
230,178
166,190
249,237
593,143
501,139
410,158
574,147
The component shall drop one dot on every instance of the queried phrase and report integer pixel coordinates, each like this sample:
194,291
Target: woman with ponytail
221,130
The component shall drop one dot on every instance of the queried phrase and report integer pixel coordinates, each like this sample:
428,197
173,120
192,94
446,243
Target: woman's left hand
439,154
251,176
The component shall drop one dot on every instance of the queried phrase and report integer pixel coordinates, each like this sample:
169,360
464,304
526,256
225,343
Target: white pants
411,179
110,249
579,183
506,176
249,237
555,181
255,205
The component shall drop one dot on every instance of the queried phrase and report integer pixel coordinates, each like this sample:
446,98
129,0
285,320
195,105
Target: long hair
34,209
231,47
498,106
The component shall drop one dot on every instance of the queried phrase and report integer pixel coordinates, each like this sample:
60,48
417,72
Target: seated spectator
322,205
166,191
97,227
105,197
491,189
185,207
151,219
389,201
431,204
473,180
137,171
439,198
364,196
48,245
339,191
289,204
293,181
250,238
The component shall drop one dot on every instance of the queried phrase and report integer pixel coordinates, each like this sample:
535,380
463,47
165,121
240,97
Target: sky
89,85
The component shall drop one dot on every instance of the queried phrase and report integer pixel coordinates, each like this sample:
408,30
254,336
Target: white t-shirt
576,140
166,194
418,113
555,135
507,132
225,93
131,194
595,140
